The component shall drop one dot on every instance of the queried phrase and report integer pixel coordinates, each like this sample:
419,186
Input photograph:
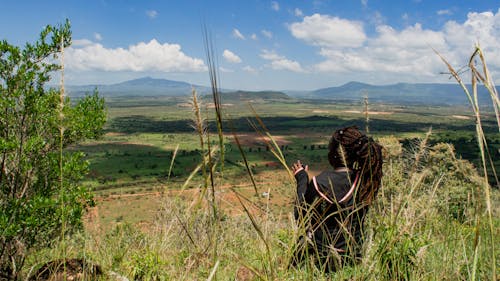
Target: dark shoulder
333,176
333,184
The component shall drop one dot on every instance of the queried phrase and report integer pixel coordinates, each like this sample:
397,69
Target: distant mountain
421,93
400,93
146,86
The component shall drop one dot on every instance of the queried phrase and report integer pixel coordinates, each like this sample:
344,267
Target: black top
324,204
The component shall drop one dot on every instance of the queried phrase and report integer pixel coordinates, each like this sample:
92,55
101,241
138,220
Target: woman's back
330,219
331,207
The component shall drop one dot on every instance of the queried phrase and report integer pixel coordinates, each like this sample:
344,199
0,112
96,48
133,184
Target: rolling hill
400,93
417,93
146,86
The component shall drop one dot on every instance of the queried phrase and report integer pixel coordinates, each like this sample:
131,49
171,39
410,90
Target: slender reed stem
476,77
61,175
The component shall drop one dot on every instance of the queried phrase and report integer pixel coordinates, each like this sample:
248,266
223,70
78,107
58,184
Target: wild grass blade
211,60
62,187
259,232
487,81
457,77
270,141
414,179
197,168
248,200
245,161
485,78
483,145
201,130
367,116
214,270
186,230
214,83
174,155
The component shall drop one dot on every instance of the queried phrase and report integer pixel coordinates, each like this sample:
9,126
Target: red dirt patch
254,139
272,164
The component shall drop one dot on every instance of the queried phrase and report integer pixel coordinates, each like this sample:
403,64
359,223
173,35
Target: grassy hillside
154,218
183,195
421,227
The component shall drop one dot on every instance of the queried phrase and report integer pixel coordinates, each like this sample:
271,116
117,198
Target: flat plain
150,147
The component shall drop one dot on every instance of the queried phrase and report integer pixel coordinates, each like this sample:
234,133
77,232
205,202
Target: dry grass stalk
61,147
245,161
261,235
269,140
485,78
174,155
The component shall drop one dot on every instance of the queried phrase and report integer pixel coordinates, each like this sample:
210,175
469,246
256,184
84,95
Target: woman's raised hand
298,166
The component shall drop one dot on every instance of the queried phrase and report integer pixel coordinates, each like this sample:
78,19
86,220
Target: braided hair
351,148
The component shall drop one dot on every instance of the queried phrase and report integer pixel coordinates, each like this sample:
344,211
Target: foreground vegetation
186,194
41,197
199,214
422,227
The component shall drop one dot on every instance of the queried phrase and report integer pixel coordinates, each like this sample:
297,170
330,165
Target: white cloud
237,34
280,62
298,12
390,51
444,12
482,28
152,14
249,69
377,19
150,56
231,57
270,55
267,33
275,6
97,36
398,54
413,37
254,36
327,31
364,3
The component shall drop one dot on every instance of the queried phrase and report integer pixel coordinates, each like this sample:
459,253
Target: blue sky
260,44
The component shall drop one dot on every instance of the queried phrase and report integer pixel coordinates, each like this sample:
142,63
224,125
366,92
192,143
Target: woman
331,207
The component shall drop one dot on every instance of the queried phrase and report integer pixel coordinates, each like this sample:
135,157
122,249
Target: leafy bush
40,197
397,252
459,180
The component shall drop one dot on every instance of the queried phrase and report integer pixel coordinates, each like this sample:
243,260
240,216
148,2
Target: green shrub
397,252
40,197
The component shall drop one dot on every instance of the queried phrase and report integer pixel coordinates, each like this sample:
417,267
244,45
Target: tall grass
425,224
481,75
61,159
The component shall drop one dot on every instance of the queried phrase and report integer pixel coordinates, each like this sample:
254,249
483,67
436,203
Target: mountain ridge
145,86
422,93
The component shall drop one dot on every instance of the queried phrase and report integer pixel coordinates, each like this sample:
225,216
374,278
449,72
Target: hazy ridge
414,93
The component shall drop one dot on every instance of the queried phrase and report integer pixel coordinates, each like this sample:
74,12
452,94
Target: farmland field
150,146
172,205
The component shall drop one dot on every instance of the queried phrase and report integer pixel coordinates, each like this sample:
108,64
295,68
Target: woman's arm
302,178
